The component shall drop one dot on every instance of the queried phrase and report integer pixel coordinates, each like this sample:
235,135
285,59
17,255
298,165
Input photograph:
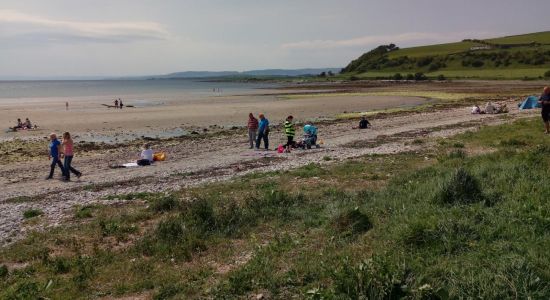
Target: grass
539,37
432,50
497,73
467,218
31,213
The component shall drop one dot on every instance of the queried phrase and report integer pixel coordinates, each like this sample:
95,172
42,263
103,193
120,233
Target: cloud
365,41
20,26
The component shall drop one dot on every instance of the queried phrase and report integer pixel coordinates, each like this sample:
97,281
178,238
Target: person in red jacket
252,129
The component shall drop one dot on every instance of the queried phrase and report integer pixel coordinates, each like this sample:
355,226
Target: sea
160,89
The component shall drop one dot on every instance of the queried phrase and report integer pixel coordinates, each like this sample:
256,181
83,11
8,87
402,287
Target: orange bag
159,156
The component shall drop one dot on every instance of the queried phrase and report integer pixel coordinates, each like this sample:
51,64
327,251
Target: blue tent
530,103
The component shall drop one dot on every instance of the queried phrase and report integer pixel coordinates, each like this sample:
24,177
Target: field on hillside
500,73
538,37
442,49
511,57
492,73
465,217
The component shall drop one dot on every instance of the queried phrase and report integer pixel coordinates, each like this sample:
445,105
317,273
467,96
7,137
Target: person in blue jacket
263,132
55,155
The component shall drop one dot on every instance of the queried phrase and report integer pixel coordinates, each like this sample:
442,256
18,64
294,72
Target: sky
55,38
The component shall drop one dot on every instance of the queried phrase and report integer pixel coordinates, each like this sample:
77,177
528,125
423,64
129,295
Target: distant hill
255,73
518,56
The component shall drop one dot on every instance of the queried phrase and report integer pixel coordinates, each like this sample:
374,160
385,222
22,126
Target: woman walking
68,153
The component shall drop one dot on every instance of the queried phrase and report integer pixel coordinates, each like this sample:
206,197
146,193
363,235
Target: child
68,153
146,156
290,131
55,154
363,124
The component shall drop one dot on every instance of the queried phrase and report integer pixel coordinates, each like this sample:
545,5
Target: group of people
62,150
490,108
23,125
118,103
258,131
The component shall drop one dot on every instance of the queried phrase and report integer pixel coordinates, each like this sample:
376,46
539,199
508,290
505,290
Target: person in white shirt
146,156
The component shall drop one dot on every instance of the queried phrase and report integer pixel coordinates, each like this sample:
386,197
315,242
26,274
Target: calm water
154,89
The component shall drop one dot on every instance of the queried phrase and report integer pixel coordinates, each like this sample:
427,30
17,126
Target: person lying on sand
476,110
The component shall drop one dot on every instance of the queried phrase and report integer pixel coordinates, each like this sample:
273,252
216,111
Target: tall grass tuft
460,188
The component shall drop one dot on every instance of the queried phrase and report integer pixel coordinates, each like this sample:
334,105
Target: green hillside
519,56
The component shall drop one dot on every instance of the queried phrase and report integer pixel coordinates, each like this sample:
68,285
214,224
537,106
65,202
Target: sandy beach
216,154
88,118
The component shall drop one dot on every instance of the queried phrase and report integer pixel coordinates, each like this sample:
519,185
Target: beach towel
130,165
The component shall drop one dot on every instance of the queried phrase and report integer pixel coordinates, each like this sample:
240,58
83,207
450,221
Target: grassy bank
467,217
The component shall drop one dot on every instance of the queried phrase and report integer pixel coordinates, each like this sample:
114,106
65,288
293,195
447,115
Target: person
252,129
290,131
544,101
120,103
363,123
27,124
146,156
55,154
19,125
263,132
67,105
116,103
68,157
310,135
490,108
476,110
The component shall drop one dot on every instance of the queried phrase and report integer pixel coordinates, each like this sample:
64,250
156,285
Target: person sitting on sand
146,156
490,108
363,123
27,124
310,135
19,125
502,109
